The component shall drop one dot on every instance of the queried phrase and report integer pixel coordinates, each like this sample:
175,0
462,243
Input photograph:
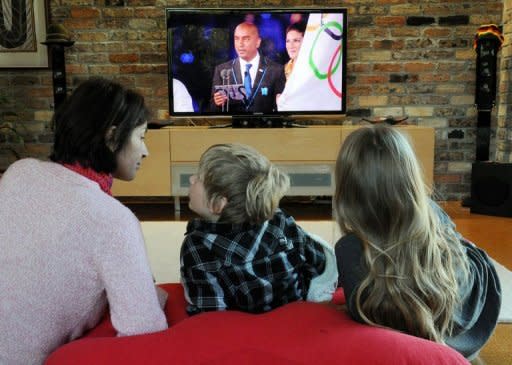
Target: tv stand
308,155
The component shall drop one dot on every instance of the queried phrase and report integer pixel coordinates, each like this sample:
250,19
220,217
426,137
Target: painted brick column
504,130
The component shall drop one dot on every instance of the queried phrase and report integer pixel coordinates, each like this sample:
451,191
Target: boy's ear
218,205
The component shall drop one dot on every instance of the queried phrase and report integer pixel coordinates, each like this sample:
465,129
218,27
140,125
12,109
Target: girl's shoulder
348,240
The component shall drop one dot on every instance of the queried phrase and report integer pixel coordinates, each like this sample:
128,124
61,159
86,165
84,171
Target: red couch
297,333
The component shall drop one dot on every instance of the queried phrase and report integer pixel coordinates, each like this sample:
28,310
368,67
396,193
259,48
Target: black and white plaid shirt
253,268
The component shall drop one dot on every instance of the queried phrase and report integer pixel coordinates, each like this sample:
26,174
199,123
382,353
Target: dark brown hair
82,122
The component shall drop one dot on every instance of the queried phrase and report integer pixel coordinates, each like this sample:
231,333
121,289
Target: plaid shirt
253,268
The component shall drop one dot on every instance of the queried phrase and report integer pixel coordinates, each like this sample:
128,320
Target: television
208,48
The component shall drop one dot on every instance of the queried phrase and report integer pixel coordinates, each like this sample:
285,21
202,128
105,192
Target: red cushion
297,333
338,297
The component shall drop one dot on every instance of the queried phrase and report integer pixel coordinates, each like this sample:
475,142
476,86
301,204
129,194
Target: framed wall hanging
22,29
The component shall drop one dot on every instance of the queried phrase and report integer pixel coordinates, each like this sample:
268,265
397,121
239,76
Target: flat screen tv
208,50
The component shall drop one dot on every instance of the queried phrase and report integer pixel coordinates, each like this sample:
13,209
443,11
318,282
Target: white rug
505,276
163,241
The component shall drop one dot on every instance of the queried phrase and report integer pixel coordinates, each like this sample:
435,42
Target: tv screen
256,62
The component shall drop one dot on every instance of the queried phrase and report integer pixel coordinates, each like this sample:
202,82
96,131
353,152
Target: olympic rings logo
335,60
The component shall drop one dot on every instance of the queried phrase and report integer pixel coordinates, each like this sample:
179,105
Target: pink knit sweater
66,248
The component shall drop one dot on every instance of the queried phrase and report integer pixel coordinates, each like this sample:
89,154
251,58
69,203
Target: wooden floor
163,209
493,234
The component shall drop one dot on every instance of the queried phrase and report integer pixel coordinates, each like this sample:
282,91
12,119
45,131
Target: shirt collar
255,62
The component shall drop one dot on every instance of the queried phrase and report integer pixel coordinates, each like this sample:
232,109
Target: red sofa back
297,333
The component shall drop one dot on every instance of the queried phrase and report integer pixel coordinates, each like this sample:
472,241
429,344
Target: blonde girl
401,262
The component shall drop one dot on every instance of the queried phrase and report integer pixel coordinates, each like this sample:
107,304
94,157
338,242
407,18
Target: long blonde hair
412,258
251,184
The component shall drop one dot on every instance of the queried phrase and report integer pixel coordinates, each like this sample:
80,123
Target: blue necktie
247,80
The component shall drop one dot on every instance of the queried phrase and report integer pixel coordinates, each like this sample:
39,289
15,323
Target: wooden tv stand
308,155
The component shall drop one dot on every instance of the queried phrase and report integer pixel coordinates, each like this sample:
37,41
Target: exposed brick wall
405,57
504,131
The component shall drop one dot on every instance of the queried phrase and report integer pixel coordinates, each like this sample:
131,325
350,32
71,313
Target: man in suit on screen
249,83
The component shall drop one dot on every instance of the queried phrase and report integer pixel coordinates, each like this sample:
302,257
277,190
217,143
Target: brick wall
405,57
504,130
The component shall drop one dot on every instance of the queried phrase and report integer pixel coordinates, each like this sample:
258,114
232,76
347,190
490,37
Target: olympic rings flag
316,80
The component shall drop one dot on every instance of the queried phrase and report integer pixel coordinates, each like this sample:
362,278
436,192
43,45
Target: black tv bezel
263,118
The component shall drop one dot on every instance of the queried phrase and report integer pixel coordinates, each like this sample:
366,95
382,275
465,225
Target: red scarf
104,180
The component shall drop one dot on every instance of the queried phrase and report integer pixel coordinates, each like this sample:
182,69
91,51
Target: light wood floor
493,234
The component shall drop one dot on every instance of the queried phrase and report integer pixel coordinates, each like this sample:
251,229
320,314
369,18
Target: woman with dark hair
68,247
294,37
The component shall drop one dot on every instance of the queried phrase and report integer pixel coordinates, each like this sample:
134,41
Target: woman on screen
68,247
294,37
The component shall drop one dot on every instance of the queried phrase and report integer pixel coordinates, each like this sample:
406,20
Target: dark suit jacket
269,82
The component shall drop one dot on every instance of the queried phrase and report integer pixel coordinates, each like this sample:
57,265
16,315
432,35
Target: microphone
224,74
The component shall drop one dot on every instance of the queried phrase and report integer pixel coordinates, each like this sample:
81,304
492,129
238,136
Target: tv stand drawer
305,179
277,144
